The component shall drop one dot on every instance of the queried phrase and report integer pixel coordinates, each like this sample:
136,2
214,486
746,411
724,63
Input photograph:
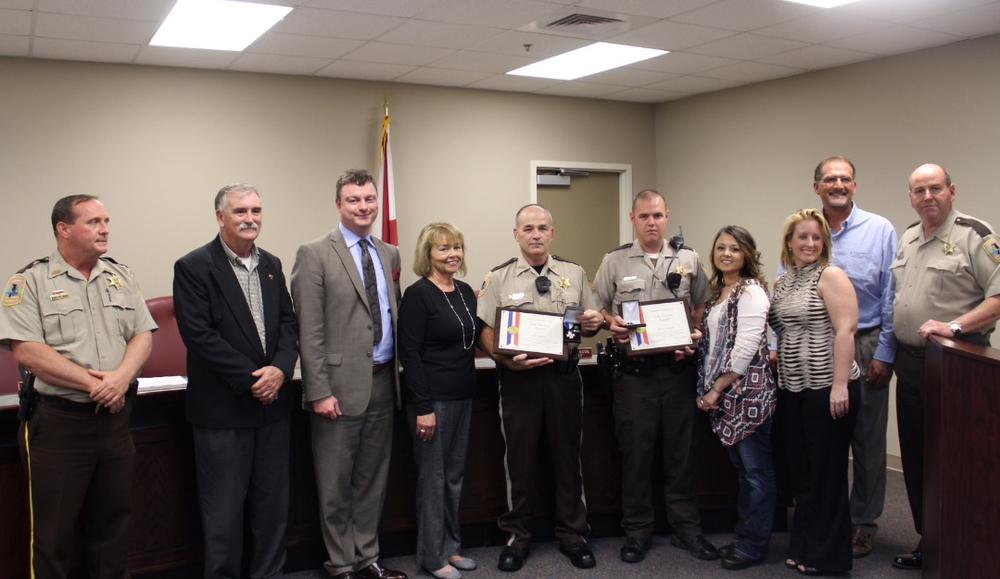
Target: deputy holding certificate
540,397
655,394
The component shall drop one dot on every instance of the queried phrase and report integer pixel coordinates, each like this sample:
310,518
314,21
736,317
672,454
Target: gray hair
240,188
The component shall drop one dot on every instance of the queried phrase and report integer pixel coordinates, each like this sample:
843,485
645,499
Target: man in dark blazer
236,319
346,293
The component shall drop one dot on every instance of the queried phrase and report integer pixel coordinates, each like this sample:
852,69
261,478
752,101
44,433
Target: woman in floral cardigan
736,387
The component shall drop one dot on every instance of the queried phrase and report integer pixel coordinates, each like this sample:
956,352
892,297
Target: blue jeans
755,504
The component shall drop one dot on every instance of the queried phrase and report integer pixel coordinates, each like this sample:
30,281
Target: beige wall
746,155
156,143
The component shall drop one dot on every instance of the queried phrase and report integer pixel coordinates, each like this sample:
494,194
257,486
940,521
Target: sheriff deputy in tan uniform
656,393
539,398
77,321
947,284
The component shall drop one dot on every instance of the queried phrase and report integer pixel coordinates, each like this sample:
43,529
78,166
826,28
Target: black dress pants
817,451
544,404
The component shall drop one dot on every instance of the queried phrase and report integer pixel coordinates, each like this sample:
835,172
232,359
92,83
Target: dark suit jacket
222,341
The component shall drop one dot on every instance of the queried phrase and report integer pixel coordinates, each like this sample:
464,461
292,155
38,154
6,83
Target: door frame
624,171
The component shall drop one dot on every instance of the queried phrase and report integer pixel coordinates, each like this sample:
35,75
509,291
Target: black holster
27,397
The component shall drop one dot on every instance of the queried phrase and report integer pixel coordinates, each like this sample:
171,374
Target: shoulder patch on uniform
504,264
912,225
13,292
33,264
992,248
623,246
978,226
556,257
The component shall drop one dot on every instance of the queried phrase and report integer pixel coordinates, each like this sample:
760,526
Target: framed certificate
656,326
537,334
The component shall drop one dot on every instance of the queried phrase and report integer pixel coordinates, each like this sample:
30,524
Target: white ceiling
714,44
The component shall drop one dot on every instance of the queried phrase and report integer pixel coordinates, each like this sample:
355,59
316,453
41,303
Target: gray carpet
896,535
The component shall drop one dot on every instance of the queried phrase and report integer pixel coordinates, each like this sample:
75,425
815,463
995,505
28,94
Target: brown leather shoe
861,543
345,575
377,571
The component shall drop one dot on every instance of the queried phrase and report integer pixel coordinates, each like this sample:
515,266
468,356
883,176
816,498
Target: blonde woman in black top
438,330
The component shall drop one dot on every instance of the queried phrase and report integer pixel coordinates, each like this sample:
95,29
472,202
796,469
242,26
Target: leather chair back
169,357
8,372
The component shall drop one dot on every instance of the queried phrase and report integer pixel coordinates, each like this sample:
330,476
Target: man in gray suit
345,287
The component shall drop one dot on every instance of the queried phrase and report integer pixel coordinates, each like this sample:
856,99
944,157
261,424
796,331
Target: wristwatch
956,328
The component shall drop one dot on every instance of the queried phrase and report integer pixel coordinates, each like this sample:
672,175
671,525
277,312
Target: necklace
459,318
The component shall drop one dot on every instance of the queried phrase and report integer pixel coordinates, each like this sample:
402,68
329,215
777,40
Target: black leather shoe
698,546
634,550
734,561
376,571
727,549
345,575
914,560
512,559
579,555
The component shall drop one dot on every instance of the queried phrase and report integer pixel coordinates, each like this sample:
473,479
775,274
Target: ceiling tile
904,11
442,77
972,22
668,35
894,40
185,57
817,56
15,22
93,28
426,33
745,14
647,95
364,70
17,4
124,9
513,83
62,49
406,9
505,14
695,84
542,45
398,53
336,24
822,27
747,46
302,45
13,45
655,8
684,62
751,71
275,63
482,61
629,77
576,88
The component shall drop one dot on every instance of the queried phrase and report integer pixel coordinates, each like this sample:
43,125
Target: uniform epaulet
33,264
978,226
504,264
686,247
623,246
110,259
912,225
556,257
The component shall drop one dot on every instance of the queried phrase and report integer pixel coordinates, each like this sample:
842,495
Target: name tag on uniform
517,296
630,278
58,294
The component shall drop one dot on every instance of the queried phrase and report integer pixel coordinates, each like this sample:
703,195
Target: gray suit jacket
335,323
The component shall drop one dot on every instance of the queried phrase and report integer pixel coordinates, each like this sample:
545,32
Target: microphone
677,241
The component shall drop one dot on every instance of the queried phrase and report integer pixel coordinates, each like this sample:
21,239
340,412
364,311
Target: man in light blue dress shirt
864,245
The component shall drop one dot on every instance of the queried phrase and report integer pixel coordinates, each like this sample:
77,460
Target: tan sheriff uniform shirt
627,274
90,322
512,284
945,276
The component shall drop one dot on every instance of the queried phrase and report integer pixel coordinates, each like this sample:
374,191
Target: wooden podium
961,460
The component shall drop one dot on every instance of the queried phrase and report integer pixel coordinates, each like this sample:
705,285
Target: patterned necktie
371,288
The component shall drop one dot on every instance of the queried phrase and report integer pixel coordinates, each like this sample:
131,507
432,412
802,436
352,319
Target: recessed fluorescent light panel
588,60
823,3
217,24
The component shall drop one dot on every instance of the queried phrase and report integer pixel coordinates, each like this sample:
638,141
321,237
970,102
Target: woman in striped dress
814,312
